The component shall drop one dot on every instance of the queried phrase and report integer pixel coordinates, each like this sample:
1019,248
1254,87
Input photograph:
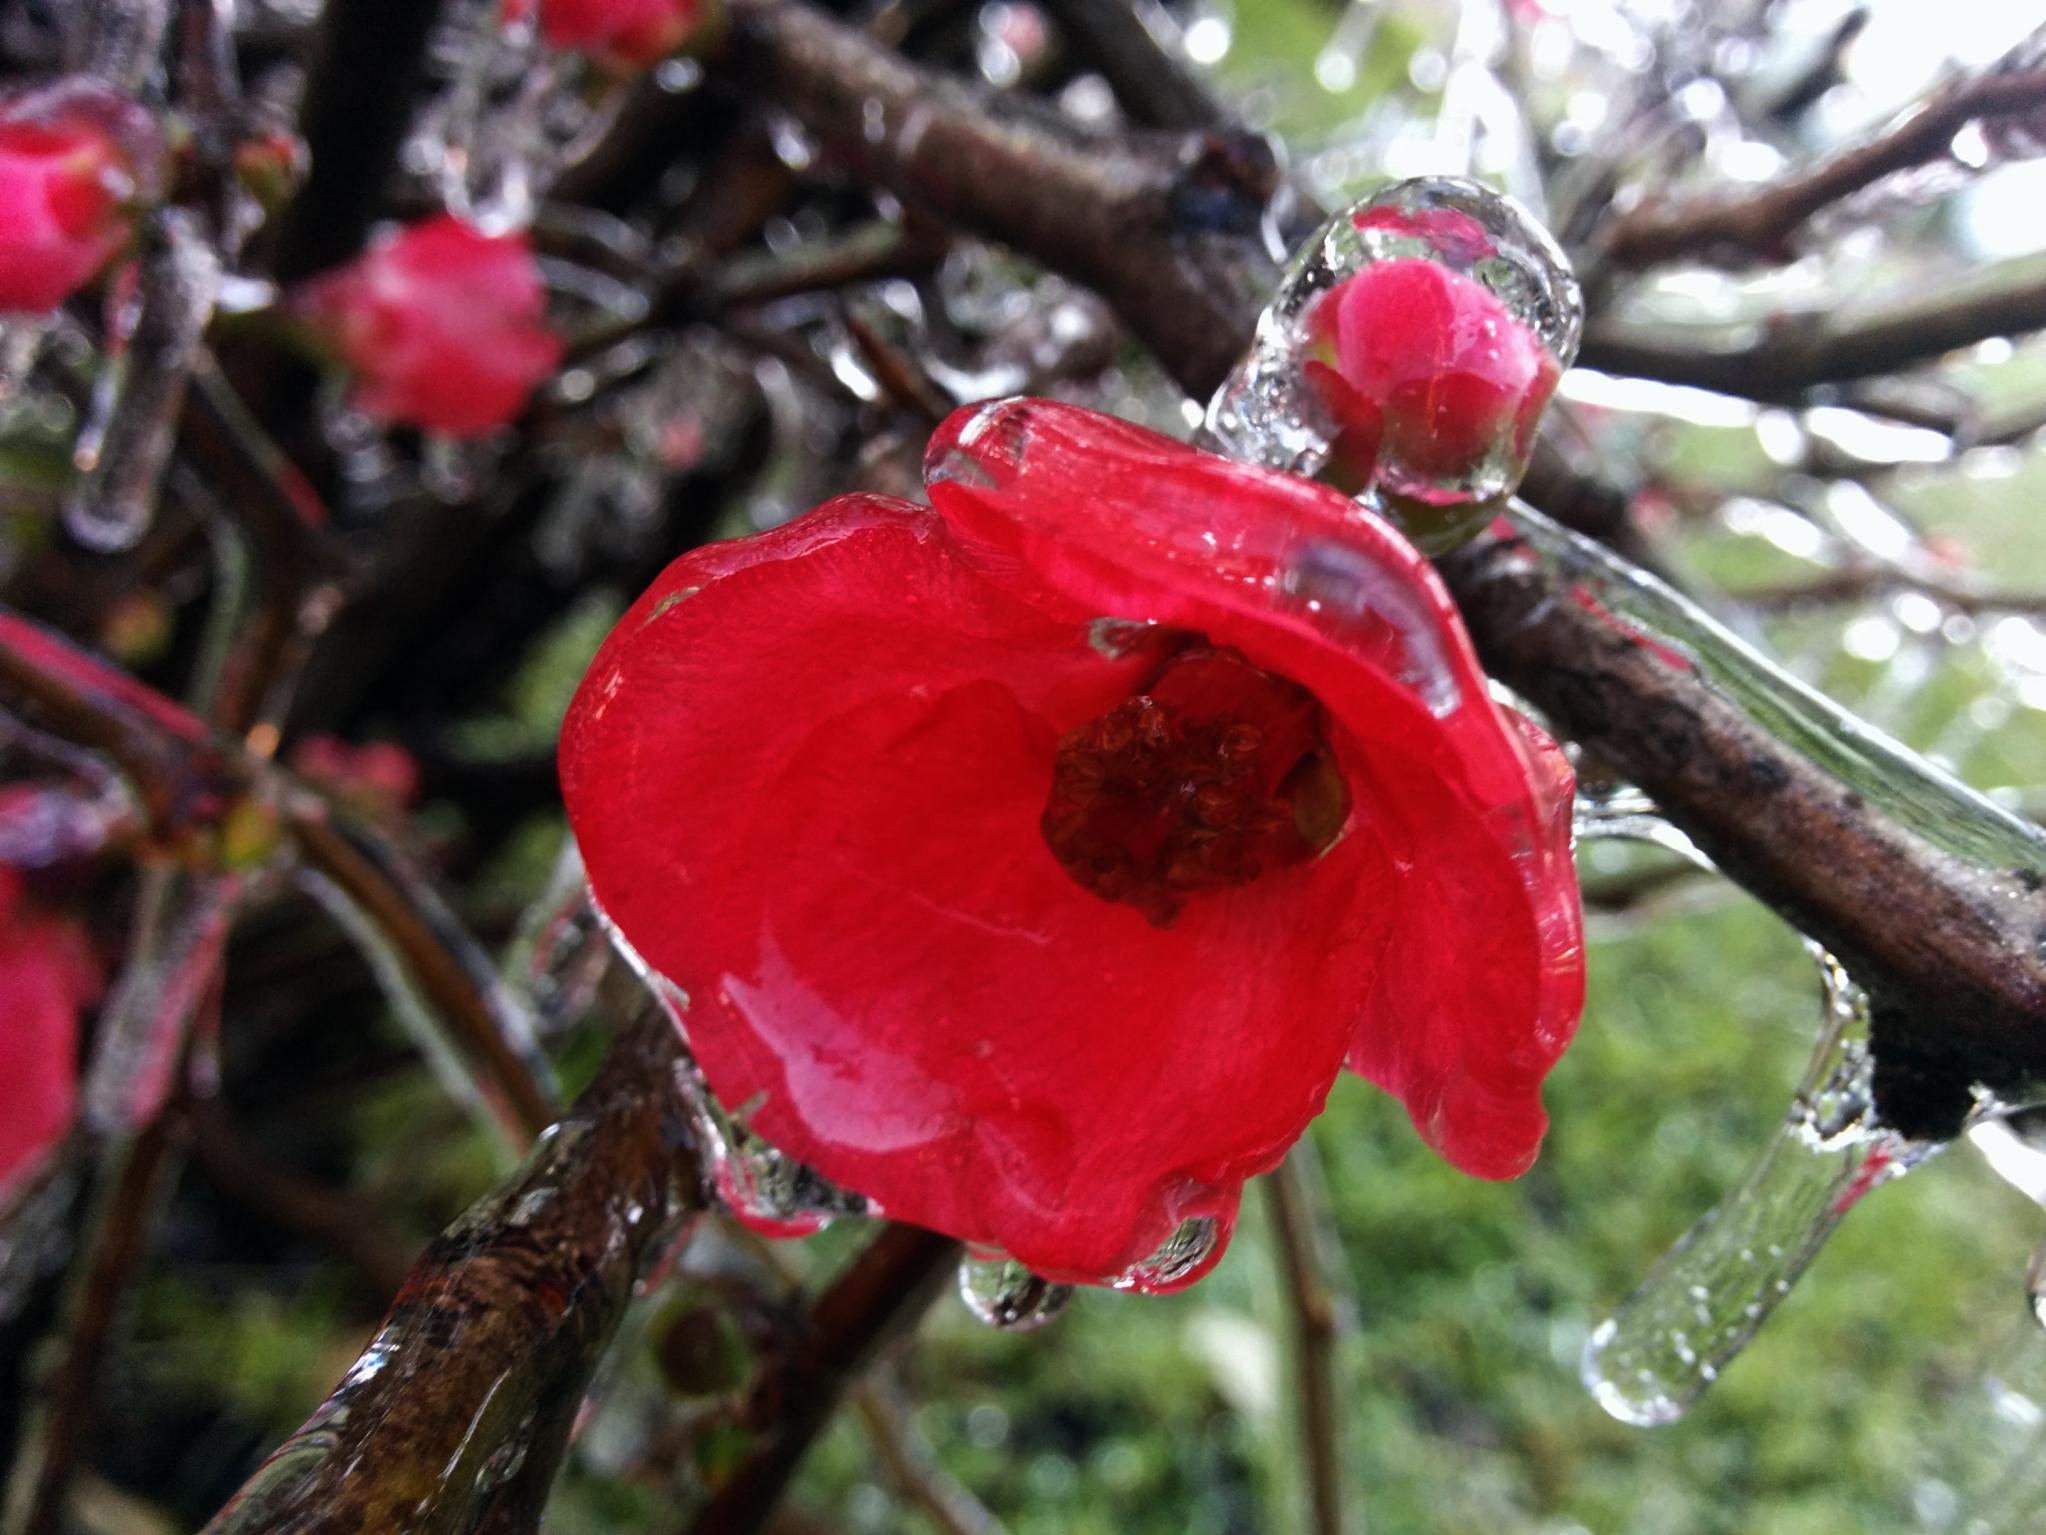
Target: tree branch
1753,225
1794,354
482,1363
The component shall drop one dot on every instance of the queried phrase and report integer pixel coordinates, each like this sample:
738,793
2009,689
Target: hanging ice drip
774,1194
2013,1142
1408,355
1004,1294
1699,1307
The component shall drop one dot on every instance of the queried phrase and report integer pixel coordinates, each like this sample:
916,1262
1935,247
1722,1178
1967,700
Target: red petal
806,772
46,976
1483,981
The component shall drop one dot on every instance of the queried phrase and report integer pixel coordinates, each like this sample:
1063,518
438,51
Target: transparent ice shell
1273,411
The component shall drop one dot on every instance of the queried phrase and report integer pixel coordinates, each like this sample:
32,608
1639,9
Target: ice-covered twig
1757,224
1796,353
464,1398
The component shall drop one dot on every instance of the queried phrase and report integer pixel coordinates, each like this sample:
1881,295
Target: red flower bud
629,34
443,325
47,975
1427,377
74,158
1034,864
379,779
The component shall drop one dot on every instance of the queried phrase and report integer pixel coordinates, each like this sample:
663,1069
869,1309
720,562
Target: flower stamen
1215,774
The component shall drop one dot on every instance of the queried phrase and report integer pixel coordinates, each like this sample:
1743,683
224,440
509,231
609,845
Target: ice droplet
774,1194
1187,1254
1429,399
2013,1142
1709,1295
1004,1294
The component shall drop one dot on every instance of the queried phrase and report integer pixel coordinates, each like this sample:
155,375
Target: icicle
1004,1294
1652,1360
126,442
559,952
444,1057
1898,782
182,921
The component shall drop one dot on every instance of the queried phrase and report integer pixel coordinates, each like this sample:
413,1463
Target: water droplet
1004,1294
1709,1295
1408,354
1187,1255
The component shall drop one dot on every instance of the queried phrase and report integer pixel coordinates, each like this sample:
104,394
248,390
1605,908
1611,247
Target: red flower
629,33
1428,378
443,325
378,779
46,976
1034,864
70,159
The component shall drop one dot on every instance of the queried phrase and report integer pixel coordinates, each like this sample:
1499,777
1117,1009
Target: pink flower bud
629,34
74,158
443,325
1428,378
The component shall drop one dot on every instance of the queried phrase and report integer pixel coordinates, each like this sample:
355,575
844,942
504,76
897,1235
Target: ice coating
1651,1361
900,985
1408,354
772,1193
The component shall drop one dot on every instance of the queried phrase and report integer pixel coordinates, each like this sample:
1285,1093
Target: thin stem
1758,224
1311,1314
911,1466
883,1294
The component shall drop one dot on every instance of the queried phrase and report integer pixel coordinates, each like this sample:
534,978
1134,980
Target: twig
1946,946
882,1294
1758,225
913,1469
140,1171
1160,226
1311,1311
481,1365
450,967
358,108
188,778
1795,354
1153,81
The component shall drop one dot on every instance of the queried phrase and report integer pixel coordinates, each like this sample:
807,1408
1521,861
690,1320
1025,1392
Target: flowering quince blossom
1034,863
443,325
625,34
1425,375
73,159
47,975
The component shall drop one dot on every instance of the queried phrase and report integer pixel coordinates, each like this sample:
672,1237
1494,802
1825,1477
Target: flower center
1213,775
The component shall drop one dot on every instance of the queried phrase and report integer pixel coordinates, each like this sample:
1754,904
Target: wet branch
1759,225
482,1363
1795,354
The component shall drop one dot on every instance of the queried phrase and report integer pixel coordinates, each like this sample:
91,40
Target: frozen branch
1759,224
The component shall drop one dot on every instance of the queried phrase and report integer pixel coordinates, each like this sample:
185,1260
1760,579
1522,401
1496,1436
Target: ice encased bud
1408,354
